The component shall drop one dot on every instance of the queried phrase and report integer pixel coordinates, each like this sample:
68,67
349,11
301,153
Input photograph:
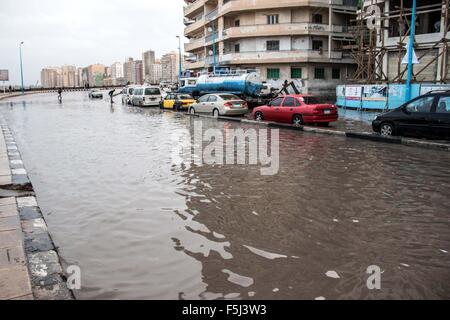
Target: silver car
220,104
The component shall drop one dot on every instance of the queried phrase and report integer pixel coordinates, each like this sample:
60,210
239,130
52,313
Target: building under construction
381,34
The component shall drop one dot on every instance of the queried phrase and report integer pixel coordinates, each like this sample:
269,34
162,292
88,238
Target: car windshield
312,100
185,97
152,91
229,97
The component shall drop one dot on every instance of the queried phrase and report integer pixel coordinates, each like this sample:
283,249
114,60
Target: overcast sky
83,32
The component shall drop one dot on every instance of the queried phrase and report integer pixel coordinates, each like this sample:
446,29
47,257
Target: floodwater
142,227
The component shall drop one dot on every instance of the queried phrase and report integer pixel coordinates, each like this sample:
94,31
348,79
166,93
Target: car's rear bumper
234,112
321,118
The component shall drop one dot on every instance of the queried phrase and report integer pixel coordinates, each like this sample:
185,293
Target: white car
146,96
220,104
95,94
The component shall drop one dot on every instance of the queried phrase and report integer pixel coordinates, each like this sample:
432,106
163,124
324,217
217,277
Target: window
273,73
273,45
443,105
296,73
297,103
317,18
237,23
336,73
289,102
272,19
203,99
212,99
317,44
228,97
420,105
169,97
319,73
237,47
277,102
152,91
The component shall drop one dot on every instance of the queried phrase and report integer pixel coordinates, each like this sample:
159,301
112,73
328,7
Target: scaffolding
369,48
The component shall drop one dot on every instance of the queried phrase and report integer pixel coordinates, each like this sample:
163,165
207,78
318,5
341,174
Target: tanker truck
243,83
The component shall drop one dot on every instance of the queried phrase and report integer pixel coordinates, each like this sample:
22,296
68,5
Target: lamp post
180,65
412,33
21,66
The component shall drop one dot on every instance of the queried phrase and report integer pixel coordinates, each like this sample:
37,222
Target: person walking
60,95
10,89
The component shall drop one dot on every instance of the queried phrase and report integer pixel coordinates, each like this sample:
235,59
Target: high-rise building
148,60
50,77
292,40
68,74
128,70
80,77
138,72
157,72
96,74
170,68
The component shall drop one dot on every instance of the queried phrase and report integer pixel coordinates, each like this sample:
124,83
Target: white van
146,96
127,94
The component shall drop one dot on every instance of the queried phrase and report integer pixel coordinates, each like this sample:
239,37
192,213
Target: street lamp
21,66
180,66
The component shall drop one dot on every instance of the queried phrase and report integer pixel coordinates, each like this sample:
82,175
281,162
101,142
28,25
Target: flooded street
141,227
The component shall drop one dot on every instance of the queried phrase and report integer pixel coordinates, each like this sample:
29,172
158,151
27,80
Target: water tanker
246,84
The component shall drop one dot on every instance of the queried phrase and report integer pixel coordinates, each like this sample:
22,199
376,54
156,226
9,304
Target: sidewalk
14,277
30,267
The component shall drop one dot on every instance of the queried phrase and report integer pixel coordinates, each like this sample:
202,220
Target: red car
297,109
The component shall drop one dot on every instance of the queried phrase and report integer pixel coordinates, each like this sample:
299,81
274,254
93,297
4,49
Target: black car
427,116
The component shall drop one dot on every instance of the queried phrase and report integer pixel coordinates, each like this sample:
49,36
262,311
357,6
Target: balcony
250,5
288,56
286,29
212,15
194,44
200,64
196,26
194,8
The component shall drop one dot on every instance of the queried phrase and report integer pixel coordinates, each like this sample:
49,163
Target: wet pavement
140,226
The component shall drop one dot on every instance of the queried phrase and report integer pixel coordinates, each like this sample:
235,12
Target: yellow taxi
177,101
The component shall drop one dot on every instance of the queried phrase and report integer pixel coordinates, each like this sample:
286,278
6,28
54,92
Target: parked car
177,101
427,116
297,109
127,94
95,94
146,96
220,104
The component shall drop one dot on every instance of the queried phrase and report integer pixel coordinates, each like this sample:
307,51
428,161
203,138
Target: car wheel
297,119
192,111
216,113
386,129
259,116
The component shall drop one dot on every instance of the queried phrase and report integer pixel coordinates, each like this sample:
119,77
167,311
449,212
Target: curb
48,280
347,134
373,137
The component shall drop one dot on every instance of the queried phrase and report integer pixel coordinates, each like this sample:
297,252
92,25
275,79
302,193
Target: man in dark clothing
111,95
10,89
60,94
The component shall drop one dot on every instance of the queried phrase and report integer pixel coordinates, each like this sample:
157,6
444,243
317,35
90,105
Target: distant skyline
84,32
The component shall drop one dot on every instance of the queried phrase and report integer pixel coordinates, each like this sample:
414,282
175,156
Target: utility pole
412,34
21,67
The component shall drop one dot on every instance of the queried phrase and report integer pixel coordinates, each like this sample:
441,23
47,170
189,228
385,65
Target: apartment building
170,66
51,77
148,60
298,40
96,74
